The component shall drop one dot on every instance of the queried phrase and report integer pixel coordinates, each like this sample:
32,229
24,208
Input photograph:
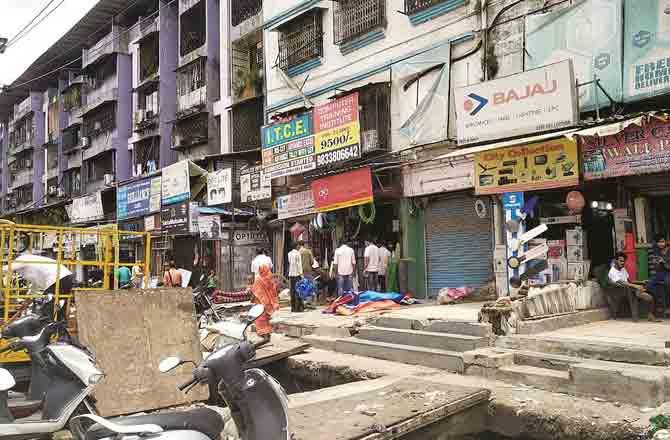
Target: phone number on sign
343,154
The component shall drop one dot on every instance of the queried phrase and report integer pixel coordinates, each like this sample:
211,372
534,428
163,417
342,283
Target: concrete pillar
167,63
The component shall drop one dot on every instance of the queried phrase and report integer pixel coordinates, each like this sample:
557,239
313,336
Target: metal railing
243,10
414,6
301,40
353,18
247,117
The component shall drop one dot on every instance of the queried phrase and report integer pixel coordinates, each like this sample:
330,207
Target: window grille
244,10
353,18
414,6
301,40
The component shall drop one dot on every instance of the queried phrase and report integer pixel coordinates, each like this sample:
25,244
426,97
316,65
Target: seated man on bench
618,276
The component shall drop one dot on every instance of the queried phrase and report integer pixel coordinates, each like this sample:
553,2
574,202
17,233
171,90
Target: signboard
175,184
635,150
547,164
337,131
243,237
295,205
254,184
210,227
343,190
646,49
220,187
537,100
175,218
136,225
327,135
513,200
437,178
194,213
137,199
594,46
87,208
152,222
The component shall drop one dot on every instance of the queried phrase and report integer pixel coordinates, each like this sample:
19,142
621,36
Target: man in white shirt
344,262
618,275
384,258
259,261
294,275
371,265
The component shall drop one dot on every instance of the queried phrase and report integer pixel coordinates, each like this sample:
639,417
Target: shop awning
511,143
609,129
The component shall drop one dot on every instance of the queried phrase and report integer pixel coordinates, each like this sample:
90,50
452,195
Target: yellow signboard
338,137
543,165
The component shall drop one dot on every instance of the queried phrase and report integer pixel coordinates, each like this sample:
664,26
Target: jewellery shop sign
327,135
543,165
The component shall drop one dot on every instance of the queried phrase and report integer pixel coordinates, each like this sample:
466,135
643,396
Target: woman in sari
264,292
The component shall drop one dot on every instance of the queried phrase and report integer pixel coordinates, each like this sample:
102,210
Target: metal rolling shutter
459,245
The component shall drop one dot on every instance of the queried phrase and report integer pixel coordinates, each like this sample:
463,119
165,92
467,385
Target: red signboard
343,190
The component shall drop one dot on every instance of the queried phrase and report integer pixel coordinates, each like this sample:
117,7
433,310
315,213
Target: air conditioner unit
109,179
85,142
53,190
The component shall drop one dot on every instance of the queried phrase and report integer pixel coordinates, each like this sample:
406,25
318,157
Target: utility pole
3,45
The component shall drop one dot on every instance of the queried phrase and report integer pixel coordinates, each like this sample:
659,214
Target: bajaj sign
531,102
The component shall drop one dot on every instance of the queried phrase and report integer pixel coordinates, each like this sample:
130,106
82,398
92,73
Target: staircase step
544,360
438,326
542,378
428,357
441,341
320,342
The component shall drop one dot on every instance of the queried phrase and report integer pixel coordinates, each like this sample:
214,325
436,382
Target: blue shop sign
135,199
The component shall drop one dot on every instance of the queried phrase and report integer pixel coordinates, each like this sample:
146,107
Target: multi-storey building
196,132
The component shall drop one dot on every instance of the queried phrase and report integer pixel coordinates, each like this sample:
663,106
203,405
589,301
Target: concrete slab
620,331
419,338
529,327
389,412
462,312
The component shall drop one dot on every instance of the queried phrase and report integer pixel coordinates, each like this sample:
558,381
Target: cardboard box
576,254
556,249
558,268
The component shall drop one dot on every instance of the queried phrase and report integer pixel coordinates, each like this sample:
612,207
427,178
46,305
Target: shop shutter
459,244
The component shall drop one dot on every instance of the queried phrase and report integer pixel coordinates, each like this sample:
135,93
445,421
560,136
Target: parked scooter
258,404
72,376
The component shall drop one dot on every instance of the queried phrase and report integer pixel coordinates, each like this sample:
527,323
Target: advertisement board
327,135
139,198
220,187
594,46
295,205
343,190
210,227
175,184
175,218
543,165
87,208
254,184
638,149
646,49
433,178
534,101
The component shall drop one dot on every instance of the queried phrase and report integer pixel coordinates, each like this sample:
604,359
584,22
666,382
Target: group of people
301,264
654,290
376,262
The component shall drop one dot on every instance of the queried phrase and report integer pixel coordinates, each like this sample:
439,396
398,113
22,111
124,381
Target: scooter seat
204,420
20,409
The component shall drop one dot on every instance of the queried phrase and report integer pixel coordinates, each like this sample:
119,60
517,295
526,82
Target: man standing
384,258
123,275
344,263
371,265
172,277
295,274
259,261
618,275
307,259
138,275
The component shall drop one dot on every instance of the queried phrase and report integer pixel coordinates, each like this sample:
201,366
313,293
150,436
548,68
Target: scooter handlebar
188,384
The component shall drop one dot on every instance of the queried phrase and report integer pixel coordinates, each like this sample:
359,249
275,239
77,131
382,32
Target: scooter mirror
7,381
169,363
255,312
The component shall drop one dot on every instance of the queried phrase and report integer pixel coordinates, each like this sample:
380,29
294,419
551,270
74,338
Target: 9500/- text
347,153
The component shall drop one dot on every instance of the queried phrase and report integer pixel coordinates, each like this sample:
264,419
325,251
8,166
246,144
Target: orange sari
264,290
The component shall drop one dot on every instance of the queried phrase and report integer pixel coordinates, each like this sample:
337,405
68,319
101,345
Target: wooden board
130,331
384,413
278,349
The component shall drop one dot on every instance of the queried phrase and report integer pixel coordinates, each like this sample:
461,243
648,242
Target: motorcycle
258,404
72,377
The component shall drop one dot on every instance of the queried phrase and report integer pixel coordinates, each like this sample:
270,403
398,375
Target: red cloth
265,292
631,260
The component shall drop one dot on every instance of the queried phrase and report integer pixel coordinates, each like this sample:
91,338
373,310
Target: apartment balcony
192,103
21,178
247,118
246,17
22,109
95,185
97,97
72,161
114,42
22,145
148,27
101,143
